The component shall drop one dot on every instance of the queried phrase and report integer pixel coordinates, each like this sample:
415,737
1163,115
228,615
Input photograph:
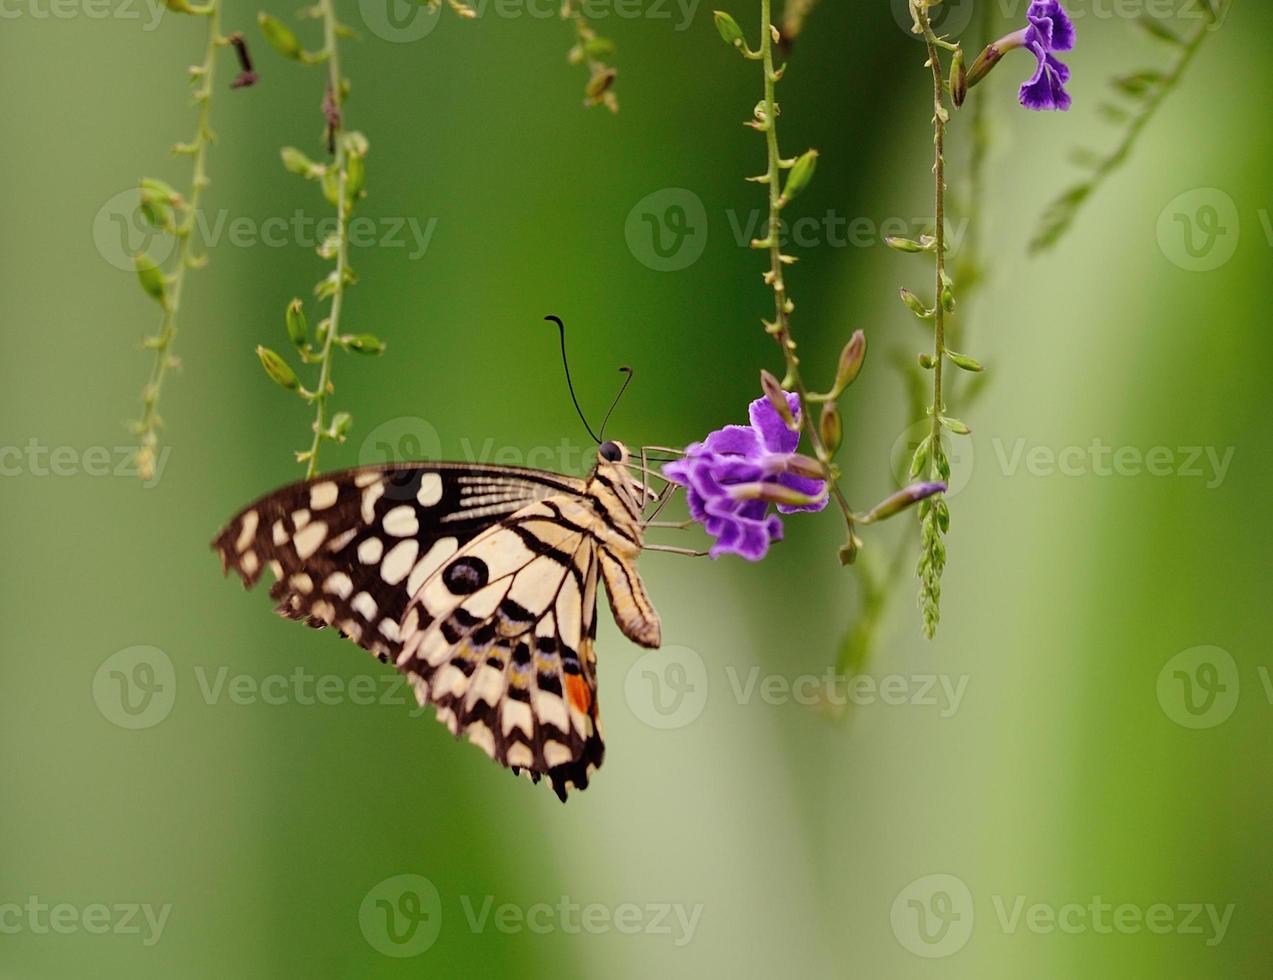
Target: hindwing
500,639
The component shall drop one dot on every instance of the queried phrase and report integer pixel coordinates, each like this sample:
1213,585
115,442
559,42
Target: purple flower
1050,30
736,472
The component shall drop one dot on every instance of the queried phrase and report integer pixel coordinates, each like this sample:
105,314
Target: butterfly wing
500,640
348,549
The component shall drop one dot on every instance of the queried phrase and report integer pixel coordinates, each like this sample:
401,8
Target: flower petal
1046,89
1052,24
803,484
739,440
773,431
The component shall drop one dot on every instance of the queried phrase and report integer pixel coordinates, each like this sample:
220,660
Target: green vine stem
164,208
824,436
1150,88
930,456
335,96
342,181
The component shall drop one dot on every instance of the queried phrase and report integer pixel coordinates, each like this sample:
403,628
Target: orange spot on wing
578,693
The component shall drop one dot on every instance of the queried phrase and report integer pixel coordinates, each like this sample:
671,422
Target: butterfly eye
611,451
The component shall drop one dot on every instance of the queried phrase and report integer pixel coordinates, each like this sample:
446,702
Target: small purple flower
1050,30
736,472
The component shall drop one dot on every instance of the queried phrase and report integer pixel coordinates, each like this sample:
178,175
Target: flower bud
599,84
778,399
297,162
797,464
355,176
151,278
964,361
728,28
920,459
279,370
297,328
774,493
364,344
339,428
831,428
958,78
914,305
280,37
903,244
955,426
991,55
799,177
904,498
851,360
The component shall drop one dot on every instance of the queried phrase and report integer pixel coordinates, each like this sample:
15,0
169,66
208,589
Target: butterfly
478,583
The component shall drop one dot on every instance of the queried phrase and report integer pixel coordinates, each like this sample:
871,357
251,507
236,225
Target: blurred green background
1094,754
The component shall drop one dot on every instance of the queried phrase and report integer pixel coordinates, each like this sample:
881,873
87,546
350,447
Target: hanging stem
780,328
934,514
339,162
147,427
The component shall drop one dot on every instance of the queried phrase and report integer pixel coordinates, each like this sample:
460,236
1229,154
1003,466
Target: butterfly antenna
561,328
624,387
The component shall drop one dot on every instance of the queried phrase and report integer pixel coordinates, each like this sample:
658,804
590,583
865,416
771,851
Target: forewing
500,640
348,549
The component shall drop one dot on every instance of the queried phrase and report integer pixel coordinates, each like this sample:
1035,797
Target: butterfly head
612,452
613,476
